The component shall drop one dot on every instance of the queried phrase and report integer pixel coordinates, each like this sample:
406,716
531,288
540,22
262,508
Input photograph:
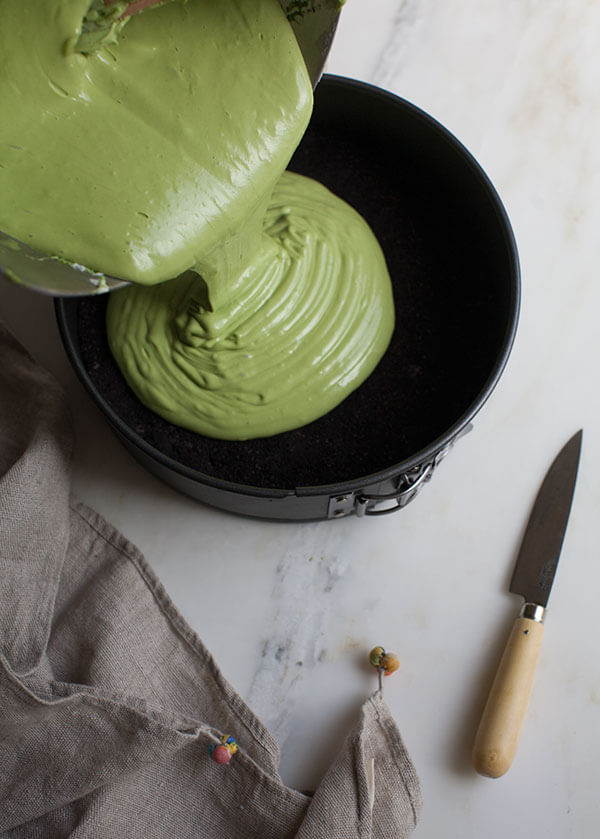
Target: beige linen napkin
108,699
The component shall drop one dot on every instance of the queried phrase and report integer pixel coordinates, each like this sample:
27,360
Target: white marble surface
518,82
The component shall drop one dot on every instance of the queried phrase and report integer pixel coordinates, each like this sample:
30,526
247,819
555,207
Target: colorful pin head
375,656
384,662
223,752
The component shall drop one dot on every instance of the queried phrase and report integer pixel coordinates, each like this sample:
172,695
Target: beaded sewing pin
385,663
223,752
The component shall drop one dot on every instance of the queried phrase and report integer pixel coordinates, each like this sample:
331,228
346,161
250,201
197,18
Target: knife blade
498,734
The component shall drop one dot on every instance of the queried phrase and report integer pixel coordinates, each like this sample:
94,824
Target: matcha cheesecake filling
298,329
140,159
159,155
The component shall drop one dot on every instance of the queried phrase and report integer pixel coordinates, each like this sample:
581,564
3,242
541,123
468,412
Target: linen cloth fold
108,699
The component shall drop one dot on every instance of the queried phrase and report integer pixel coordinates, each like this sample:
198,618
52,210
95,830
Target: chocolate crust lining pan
455,273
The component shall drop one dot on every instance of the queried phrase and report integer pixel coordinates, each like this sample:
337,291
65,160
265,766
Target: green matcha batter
160,156
297,331
142,158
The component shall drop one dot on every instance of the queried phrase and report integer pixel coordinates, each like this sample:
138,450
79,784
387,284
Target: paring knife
500,727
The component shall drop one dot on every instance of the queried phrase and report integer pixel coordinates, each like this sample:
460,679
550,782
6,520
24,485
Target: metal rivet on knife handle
500,727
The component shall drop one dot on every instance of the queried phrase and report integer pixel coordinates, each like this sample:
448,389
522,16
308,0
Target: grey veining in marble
307,582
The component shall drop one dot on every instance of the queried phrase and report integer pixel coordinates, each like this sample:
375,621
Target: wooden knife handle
503,716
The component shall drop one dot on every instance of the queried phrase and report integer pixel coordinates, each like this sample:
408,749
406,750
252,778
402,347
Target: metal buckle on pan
363,504
409,484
